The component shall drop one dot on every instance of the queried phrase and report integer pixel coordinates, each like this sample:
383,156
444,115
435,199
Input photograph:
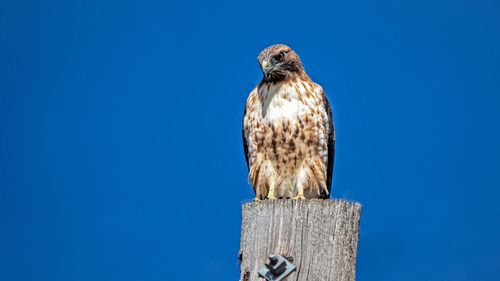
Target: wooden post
320,237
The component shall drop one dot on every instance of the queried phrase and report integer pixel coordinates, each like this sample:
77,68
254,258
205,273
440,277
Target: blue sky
120,133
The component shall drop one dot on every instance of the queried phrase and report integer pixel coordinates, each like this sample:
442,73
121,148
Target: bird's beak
265,66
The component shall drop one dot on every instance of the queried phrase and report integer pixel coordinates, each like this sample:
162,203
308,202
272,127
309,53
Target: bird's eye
279,57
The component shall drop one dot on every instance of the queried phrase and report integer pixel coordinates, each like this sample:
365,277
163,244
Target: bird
288,131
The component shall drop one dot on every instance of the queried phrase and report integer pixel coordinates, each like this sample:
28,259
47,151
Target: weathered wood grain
319,236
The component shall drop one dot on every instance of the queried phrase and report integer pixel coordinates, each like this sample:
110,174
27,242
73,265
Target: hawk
288,134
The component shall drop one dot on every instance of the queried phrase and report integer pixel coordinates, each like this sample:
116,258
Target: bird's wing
245,144
331,143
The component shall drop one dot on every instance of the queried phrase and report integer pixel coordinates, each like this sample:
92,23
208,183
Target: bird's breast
285,124
286,101
281,109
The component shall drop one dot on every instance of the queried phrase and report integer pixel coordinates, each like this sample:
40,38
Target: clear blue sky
120,133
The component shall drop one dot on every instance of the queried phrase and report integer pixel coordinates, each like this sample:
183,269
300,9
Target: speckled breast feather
286,129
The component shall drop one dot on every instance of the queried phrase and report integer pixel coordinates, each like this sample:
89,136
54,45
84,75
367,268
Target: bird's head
279,62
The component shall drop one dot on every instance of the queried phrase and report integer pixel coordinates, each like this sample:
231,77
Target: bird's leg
270,195
256,199
301,194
